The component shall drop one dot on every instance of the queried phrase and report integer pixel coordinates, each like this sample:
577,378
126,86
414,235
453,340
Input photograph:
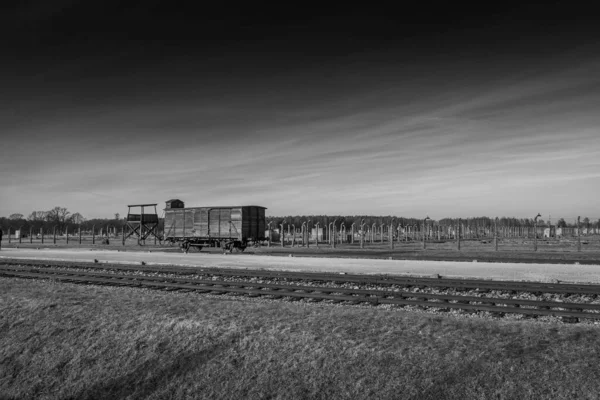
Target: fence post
317,235
282,235
391,234
496,234
425,233
269,242
54,235
42,234
293,234
362,234
9,234
578,235
123,235
79,232
535,246
308,230
333,238
458,234
93,234
30,235
67,231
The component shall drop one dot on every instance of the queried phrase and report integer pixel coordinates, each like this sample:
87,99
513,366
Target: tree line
62,219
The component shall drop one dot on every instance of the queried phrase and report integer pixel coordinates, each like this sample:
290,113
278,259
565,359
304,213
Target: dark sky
447,111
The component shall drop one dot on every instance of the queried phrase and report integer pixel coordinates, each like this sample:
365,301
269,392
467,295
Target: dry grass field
64,341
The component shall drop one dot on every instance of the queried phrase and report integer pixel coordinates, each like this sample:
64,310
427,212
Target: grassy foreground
63,341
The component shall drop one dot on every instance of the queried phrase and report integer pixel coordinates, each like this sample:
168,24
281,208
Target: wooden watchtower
142,224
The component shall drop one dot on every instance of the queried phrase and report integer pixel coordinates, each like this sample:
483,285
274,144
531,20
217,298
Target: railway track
481,285
569,311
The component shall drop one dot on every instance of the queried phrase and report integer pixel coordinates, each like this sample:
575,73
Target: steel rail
515,286
322,293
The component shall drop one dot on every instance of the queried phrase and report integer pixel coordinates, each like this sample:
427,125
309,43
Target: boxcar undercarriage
226,244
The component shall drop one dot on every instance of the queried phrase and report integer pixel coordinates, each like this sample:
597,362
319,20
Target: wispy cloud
503,146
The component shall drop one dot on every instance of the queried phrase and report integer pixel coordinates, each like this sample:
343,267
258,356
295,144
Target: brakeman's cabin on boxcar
228,227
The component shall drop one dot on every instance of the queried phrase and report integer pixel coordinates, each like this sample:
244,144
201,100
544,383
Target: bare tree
16,216
77,218
58,216
37,216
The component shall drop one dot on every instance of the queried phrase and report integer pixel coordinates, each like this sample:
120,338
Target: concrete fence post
30,235
362,234
333,234
425,233
496,234
535,245
578,235
54,235
303,233
8,233
391,234
458,225
269,238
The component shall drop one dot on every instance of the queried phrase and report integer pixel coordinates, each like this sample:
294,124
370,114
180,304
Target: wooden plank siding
242,223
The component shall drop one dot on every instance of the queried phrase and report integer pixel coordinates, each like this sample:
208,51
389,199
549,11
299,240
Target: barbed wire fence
553,233
559,233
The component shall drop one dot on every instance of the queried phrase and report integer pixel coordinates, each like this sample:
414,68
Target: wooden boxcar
232,227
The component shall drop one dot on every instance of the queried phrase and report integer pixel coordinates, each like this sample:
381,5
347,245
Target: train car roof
215,207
